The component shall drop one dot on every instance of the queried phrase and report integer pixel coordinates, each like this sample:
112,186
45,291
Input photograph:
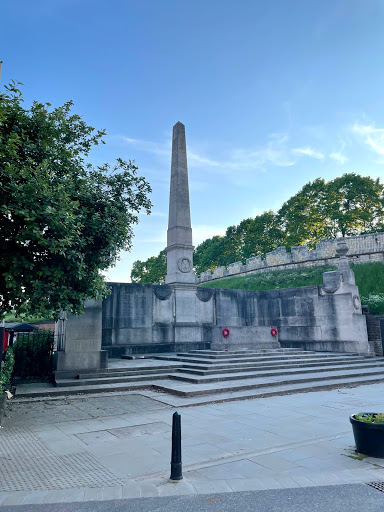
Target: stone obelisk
179,235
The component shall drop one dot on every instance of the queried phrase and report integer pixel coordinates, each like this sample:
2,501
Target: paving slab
302,440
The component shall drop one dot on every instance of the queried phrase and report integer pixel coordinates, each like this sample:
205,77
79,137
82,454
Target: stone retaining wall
362,249
374,332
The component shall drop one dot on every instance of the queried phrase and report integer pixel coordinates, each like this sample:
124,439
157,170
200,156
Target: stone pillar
81,342
179,235
347,322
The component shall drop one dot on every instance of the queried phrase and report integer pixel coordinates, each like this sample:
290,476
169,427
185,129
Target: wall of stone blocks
362,249
142,318
305,317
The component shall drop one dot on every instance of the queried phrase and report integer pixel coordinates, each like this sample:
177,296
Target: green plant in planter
370,418
6,371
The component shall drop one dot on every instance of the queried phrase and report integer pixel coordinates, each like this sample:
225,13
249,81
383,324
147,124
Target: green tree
259,235
62,221
152,270
348,205
303,218
209,254
354,205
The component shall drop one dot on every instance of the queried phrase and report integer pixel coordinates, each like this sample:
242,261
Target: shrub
375,303
370,417
6,370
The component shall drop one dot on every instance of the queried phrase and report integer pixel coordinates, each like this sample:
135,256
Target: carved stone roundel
356,302
184,264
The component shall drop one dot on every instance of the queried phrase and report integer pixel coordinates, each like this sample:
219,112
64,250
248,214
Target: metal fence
34,355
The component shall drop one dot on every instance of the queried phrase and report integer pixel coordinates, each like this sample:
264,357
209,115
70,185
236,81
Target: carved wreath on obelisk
184,264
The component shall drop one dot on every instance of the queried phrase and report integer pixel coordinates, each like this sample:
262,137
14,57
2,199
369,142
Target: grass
272,280
369,279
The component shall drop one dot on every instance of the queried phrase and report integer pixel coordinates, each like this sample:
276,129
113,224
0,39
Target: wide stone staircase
203,376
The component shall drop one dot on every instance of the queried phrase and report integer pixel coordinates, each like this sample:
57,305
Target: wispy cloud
156,148
308,151
372,136
339,157
194,158
274,153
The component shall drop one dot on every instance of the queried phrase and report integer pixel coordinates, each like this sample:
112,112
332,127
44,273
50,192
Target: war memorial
179,316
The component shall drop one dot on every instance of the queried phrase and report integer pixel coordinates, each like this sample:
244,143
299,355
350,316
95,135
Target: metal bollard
176,467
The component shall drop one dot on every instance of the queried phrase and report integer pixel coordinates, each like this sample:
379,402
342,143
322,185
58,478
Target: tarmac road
337,498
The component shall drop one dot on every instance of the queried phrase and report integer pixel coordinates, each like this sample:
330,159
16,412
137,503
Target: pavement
116,446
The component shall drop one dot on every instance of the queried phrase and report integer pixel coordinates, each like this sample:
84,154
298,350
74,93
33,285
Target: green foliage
6,371
27,319
153,270
346,206
370,418
355,204
210,254
33,355
272,280
375,303
370,280
302,217
63,221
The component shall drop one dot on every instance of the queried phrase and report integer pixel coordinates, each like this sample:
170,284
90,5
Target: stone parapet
362,249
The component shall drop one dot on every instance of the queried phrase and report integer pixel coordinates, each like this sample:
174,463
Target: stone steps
161,394
188,378
181,376
248,351
86,389
124,372
244,359
187,389
291,363
112,380
205,354
273,390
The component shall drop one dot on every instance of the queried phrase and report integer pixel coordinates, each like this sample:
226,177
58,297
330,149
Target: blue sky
273,94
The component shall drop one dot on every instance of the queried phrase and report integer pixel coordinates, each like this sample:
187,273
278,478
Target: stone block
255,263
188,333
326,248
245,337
234,268
205,276
300,253
218,272
278,257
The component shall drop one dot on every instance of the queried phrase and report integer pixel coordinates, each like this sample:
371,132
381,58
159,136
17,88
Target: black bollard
176,468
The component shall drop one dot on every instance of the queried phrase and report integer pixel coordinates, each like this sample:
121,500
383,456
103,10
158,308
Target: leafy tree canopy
62,221
348,205
152,270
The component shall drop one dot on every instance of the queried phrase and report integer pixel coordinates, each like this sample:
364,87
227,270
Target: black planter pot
3,401
369,437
